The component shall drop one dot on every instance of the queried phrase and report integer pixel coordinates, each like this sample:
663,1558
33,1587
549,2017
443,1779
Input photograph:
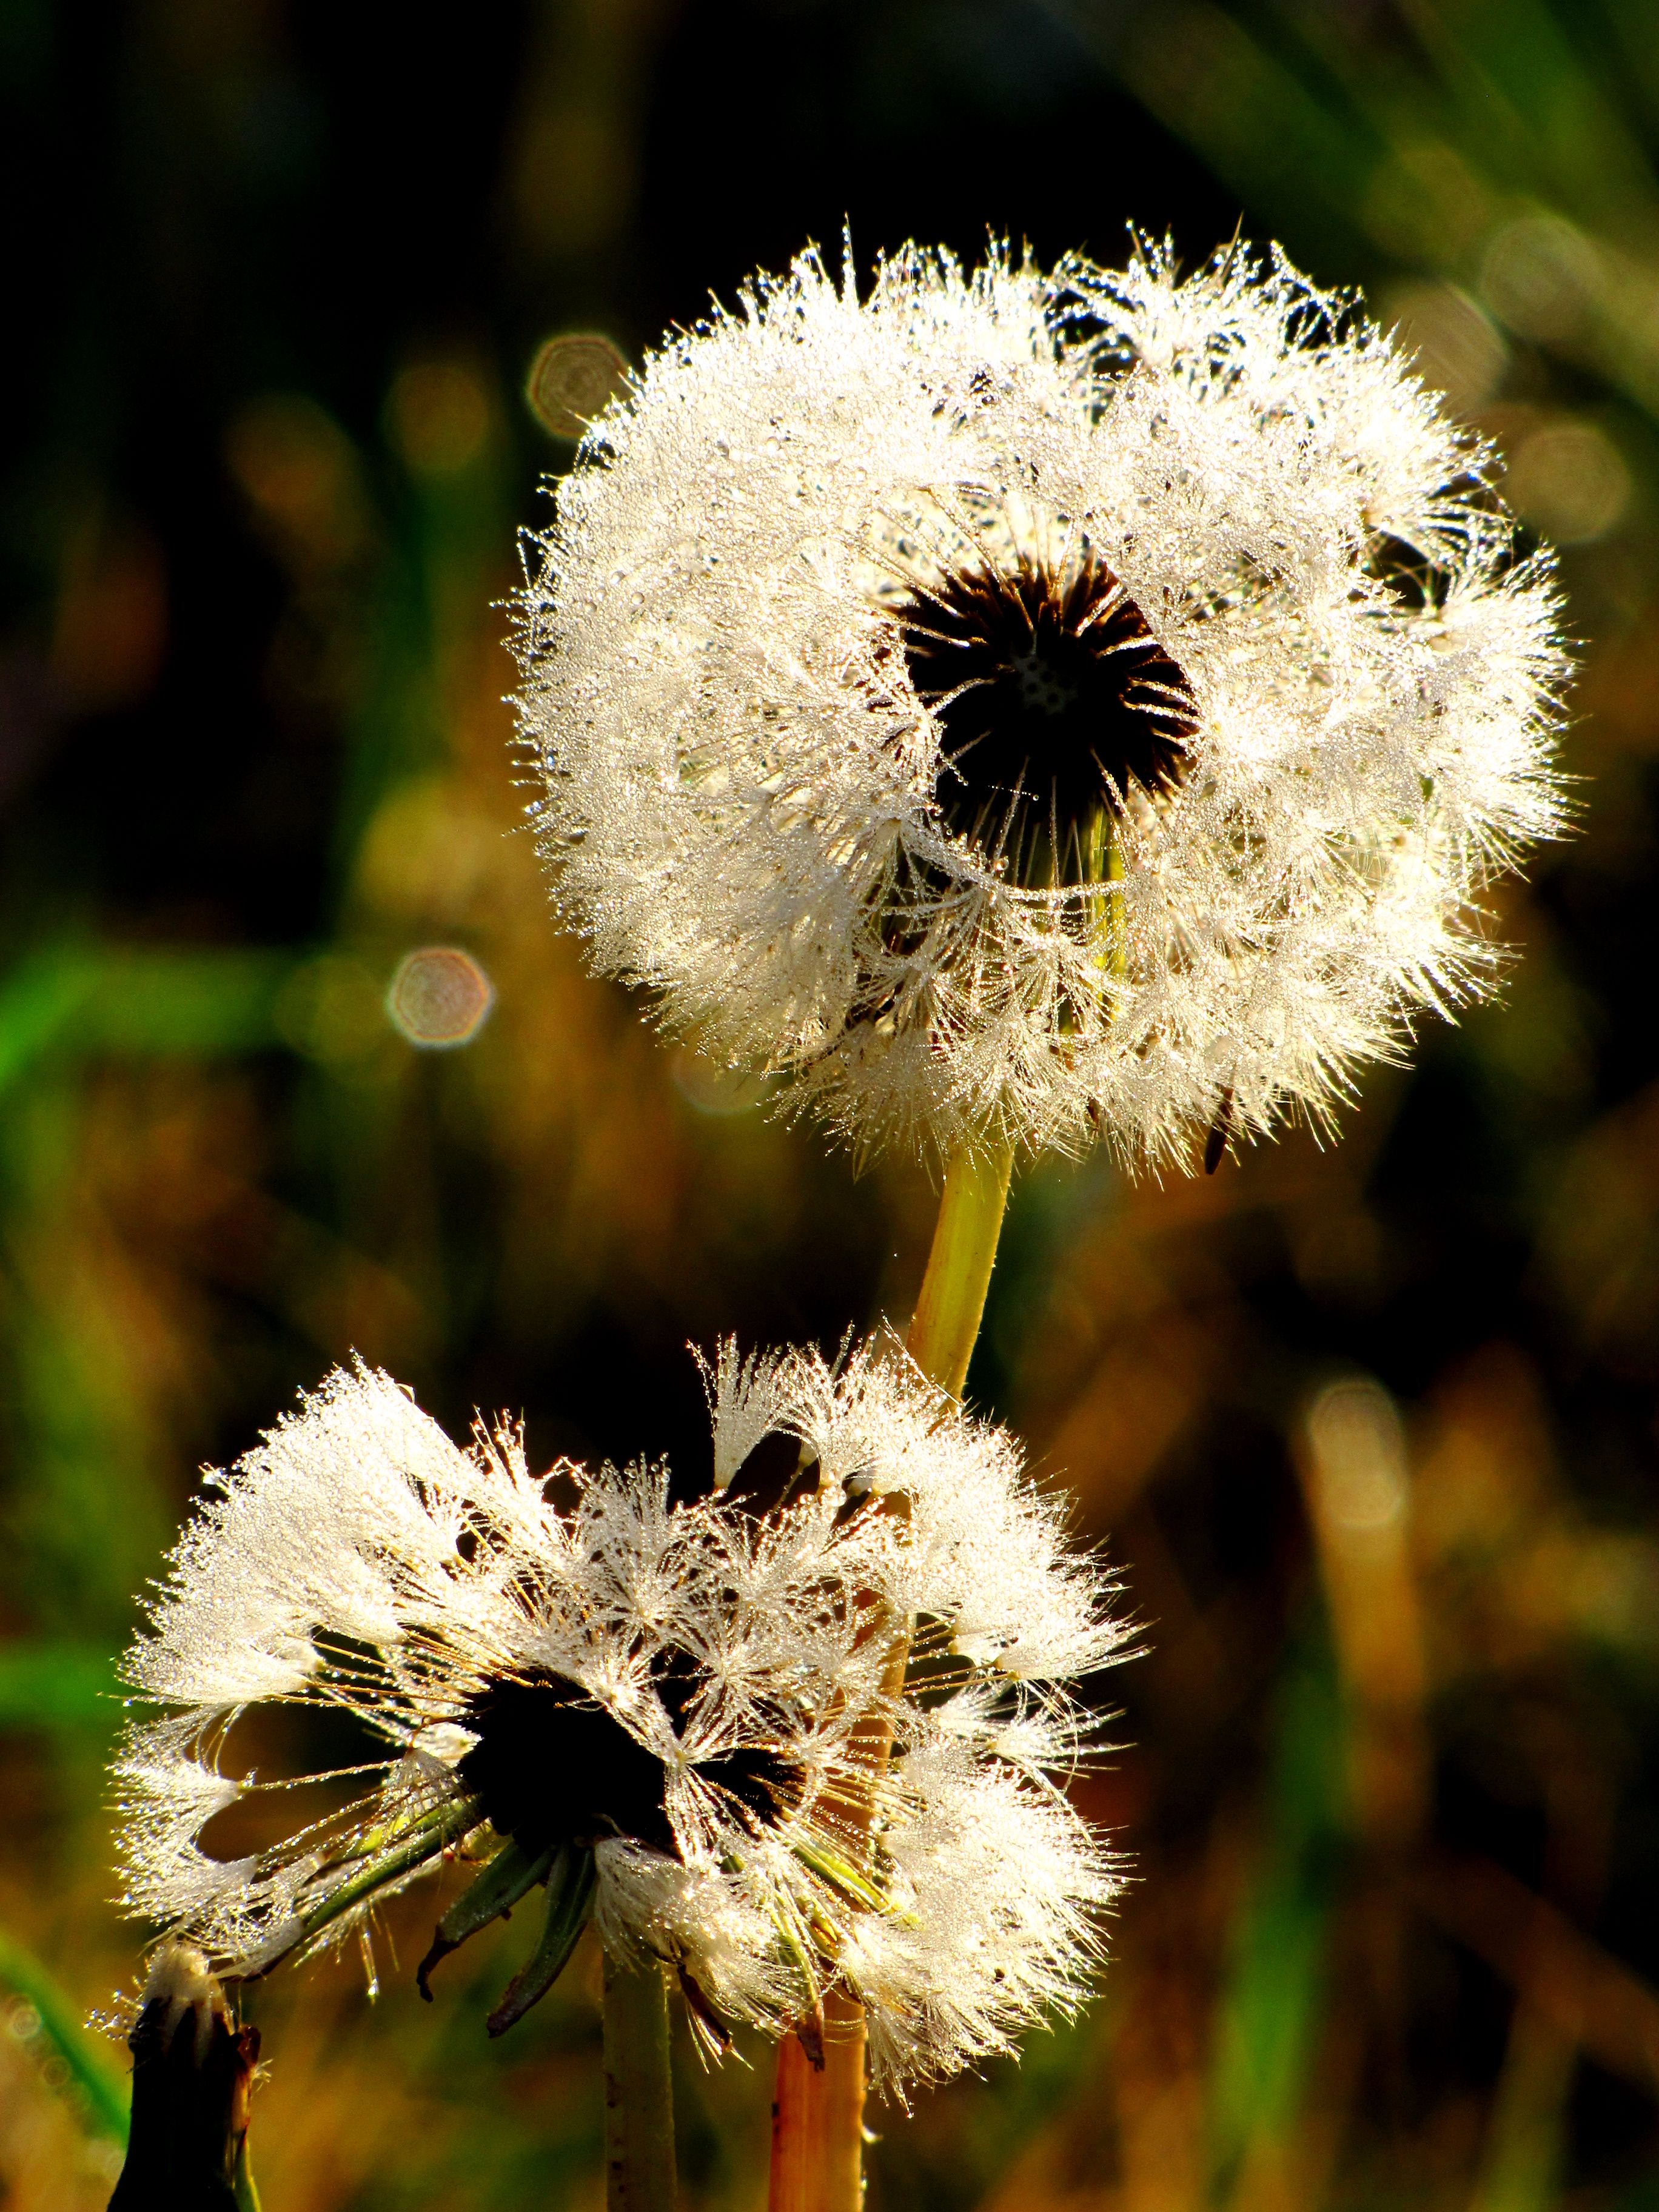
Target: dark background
275,274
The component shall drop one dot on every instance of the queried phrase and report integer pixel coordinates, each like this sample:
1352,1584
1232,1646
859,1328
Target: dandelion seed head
682,1690
1037,706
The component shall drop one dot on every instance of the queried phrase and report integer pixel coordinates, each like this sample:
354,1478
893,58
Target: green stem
952,1300
639,2098
818,2110
243,2187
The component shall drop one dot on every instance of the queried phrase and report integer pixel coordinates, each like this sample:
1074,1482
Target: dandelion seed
1037,707
662,1713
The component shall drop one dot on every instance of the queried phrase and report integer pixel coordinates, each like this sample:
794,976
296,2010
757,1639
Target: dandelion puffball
668,1709
1034,707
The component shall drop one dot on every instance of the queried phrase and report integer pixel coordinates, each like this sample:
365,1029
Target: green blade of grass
1268,2008
137,1001
56,1686
103,2092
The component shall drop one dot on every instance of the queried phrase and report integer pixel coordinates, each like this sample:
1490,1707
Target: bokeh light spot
439,997
300,473
1569,480
330,1009
720,1092
438,413
571,380
575,178
1455,349
1359,1454
1540,275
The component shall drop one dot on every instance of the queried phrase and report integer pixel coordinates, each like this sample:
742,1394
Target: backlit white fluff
358,1559
744,796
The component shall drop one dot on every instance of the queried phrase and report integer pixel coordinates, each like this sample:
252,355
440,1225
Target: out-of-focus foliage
1371,1428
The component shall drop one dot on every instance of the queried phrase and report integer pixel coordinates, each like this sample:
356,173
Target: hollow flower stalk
662,1710
1022,708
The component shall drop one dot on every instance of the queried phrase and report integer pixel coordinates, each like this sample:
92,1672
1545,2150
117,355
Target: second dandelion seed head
663,1713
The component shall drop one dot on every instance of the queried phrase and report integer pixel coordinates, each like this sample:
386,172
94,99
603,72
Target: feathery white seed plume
682,1696
1038,707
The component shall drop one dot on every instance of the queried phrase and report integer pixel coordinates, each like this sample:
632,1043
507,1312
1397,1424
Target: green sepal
493,1892
810,2026
425,1837
418,1839
847,1880
569,1898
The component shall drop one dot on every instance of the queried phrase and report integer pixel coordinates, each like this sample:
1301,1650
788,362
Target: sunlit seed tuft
1034,707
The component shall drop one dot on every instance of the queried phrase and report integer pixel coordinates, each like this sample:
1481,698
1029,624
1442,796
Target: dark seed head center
1042,687
1054,700
552,1767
